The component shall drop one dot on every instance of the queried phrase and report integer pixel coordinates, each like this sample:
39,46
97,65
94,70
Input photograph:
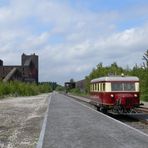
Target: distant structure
26,72
81,85
70,85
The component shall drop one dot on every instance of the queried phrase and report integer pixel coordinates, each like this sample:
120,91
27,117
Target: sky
72,36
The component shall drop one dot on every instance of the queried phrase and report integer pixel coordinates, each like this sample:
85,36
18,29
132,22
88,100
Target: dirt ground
21,120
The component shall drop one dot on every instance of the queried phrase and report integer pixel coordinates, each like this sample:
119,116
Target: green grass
23,89
76,91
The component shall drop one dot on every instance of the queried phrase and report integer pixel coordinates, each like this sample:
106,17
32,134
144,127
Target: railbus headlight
135,95
112,95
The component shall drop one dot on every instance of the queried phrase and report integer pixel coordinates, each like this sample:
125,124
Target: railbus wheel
98,108
103,110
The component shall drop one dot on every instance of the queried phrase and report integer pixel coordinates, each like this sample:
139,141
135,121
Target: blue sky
72,36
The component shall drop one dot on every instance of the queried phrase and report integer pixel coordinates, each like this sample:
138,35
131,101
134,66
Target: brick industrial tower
26,72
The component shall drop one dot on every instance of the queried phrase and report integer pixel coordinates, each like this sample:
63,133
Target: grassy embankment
144,96
22,89
76,91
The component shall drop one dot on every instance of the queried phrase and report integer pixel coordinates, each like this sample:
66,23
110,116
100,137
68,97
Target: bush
75,91
60,88
44,88
144,97
23,89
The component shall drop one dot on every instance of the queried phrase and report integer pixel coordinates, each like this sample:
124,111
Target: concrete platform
72,125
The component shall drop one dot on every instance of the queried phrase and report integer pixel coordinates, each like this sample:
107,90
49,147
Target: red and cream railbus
117,93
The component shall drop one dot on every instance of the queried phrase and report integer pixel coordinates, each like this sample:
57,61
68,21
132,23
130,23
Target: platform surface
72,125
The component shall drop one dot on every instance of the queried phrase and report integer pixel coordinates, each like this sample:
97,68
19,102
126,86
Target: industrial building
26,72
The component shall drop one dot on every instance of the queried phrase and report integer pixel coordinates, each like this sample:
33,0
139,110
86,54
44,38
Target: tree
114,69
145,58
72,80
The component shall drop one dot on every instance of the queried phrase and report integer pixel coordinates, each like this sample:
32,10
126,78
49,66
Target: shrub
144,97
23,89
75,91
60,88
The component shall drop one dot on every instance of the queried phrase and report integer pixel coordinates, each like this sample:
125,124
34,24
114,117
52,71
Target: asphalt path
73,125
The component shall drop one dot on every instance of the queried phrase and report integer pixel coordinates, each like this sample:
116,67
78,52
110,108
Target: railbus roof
115,78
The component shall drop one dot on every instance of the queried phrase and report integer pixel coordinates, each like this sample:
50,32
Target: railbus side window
94,87
98,86
103,86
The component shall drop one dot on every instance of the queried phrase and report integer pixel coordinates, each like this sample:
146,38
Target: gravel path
21,121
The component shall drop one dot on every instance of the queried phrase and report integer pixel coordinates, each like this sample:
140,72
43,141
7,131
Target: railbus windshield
123,86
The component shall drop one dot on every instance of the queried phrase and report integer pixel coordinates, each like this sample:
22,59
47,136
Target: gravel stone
21,121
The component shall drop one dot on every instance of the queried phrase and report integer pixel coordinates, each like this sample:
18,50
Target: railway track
143,109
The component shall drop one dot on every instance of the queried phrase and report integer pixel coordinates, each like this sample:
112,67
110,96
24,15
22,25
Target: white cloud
88,38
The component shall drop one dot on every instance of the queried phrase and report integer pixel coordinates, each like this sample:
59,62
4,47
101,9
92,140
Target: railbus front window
116,86
123,86
129,86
